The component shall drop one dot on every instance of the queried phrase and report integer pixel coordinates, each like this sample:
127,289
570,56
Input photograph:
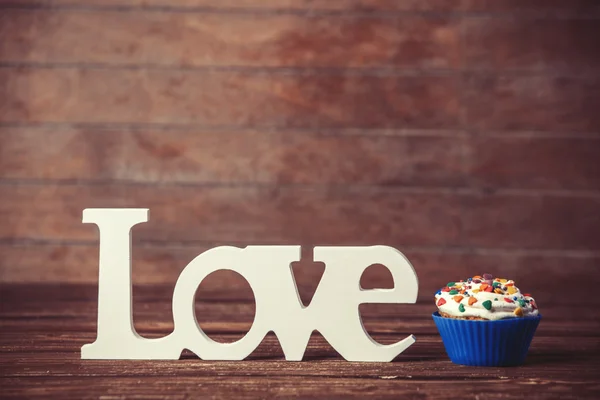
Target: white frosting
502,305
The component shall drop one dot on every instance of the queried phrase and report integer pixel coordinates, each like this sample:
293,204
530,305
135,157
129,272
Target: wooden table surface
44,326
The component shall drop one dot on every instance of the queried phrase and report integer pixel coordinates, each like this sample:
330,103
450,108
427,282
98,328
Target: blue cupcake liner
487,343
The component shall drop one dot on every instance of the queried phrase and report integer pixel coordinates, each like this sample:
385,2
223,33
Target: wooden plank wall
464,132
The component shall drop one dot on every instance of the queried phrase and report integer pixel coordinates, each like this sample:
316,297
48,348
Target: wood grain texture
57,307
463,132
193,40
542,273
545,8
267,215
326,156
567,45
299,214
251,388
35,363
234,98
551,8
197,156
530,162
257,5
230,98
538,222
198,40
526,102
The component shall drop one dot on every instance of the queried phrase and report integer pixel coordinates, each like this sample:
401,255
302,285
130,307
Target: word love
333,311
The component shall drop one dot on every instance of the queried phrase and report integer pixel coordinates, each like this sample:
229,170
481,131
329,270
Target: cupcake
486,321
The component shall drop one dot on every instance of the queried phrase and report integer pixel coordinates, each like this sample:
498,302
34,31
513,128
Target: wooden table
43,328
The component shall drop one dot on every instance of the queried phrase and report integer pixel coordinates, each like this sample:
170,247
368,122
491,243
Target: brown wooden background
465,133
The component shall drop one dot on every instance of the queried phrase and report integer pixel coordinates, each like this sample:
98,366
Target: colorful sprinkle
463,292
519,312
